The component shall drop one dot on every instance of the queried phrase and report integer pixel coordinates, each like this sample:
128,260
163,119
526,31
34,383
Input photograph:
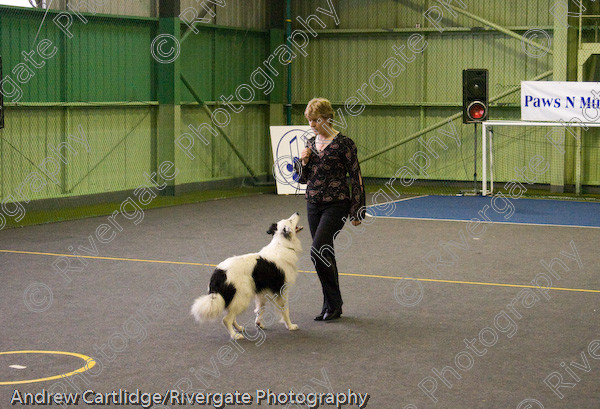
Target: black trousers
325,220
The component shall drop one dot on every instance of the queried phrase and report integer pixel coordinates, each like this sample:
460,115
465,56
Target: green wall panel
248,132
197,64
218,60
24,147
201,167
119,149
434,76
18,34
591,157
105,60
237,55
236,13
365,14
109,61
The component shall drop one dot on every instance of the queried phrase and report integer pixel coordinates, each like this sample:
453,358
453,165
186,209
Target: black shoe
332,315
320,316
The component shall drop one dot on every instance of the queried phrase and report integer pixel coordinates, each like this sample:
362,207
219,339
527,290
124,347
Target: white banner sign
560,101
288,142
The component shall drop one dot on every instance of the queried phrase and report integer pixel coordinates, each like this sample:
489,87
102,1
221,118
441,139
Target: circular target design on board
288,151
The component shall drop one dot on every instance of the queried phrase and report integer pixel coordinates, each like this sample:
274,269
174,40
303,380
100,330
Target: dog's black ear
272,229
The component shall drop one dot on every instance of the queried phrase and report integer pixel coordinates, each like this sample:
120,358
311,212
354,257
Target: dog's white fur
283,252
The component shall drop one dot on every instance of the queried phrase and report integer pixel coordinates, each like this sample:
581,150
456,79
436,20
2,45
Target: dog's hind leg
261,302
285,312
228,321
238,326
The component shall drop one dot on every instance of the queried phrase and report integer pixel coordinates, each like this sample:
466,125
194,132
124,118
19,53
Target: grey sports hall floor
132,315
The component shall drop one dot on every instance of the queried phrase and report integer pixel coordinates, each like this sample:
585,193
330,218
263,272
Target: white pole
491,162
483,160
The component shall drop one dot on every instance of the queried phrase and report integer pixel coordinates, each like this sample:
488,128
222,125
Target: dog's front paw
293,327
238,336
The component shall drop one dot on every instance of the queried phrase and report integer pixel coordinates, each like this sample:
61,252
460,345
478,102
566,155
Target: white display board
560,101
288,142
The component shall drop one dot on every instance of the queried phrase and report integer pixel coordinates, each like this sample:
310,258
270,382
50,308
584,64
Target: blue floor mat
497,209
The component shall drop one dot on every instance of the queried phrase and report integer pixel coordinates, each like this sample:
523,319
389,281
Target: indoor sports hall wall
97,94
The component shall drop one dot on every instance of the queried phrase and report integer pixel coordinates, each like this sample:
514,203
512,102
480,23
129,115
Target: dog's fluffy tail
208,307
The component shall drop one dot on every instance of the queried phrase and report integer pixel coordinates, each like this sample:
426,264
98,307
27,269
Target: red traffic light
476,110
475,95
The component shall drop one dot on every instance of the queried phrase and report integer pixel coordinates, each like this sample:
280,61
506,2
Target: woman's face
319,125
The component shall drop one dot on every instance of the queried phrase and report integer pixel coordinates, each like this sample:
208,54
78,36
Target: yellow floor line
307,271
470,282
108,258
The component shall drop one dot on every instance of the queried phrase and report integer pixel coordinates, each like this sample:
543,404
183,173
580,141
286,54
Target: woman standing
324,165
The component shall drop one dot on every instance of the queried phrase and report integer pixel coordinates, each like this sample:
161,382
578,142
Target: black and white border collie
236,280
